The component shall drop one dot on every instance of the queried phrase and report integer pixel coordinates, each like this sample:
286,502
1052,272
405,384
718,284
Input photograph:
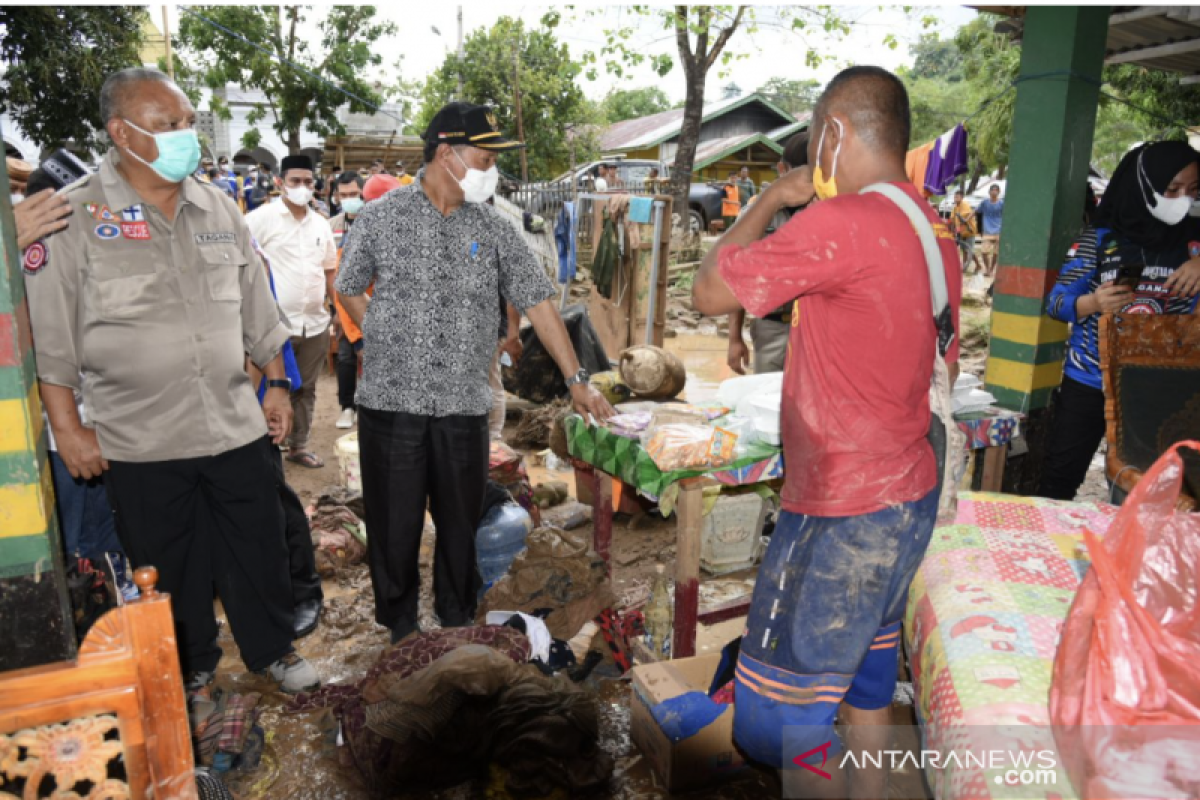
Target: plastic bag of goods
679,447
652,372
736,391
1125,696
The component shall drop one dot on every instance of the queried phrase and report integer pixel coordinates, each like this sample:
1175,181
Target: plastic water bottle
659,615
501,536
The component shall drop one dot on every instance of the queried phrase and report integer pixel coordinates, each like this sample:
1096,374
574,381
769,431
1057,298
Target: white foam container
731,537
764,410
348,464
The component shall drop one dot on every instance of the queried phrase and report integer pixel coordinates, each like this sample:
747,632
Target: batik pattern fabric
992,428
982,624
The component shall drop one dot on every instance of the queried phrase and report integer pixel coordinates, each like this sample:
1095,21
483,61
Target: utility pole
167,40
460,54
517,100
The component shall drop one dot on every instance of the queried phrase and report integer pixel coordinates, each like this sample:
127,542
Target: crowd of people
177,462
225,290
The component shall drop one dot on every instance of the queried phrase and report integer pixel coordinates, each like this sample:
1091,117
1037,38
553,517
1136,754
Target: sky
770,52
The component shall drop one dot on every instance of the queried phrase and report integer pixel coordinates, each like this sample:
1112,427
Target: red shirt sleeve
814,252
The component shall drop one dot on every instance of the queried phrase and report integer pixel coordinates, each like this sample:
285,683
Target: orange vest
731,206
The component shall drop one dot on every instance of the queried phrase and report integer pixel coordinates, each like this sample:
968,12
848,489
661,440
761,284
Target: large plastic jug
501,536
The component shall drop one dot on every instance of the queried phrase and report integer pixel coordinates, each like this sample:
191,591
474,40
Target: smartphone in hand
1129,275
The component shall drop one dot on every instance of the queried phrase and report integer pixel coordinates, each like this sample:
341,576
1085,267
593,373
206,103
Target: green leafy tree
1168,106
937,58
294,100
702,37
793,96
991,62
55,61
552,104
623,104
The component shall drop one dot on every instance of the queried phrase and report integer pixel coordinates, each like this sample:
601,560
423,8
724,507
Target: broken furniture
1151,370
115,717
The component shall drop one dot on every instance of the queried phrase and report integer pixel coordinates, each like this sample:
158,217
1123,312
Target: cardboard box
701,759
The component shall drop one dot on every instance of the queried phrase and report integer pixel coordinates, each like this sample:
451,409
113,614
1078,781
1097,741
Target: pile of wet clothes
437,708
226,735
338,531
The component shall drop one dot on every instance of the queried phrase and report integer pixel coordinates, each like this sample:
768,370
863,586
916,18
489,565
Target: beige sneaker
347,419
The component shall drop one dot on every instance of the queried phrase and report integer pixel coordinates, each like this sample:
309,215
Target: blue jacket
1095,258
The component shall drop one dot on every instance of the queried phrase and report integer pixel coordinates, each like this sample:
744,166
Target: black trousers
1078,429
347,372
302,559
211,521
408,460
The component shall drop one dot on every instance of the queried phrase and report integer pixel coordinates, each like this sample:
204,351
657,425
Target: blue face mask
178,153
352,205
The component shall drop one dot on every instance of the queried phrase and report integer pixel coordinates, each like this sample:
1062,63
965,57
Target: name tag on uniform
216,238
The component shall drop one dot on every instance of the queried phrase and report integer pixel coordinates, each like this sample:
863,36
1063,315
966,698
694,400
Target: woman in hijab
1141,255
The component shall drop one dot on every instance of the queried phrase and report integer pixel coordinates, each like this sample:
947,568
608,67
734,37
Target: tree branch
723,38
681,34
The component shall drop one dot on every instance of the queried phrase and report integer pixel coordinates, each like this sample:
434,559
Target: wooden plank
602,516
726,611
689,513
993,468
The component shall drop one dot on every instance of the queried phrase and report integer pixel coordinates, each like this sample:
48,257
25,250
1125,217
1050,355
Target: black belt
780,316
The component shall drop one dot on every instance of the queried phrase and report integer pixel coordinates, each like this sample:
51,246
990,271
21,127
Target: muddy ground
301,756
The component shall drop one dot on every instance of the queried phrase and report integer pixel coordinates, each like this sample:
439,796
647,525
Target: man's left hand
1185,281
587,400
792,190
277,408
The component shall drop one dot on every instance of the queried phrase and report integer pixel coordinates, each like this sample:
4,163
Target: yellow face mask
827,187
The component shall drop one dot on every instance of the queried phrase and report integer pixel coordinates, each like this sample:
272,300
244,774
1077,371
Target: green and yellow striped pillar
35,619
1062,54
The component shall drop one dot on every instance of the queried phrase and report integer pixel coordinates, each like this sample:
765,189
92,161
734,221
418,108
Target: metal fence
546,200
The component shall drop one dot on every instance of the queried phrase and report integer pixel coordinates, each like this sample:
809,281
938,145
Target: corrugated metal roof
635,134
1159,37
630,130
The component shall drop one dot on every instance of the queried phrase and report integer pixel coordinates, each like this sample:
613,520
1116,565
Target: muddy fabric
474,705
533,431
557,570
331,528
438,705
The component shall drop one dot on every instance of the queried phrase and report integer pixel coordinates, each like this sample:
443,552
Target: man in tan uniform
149,303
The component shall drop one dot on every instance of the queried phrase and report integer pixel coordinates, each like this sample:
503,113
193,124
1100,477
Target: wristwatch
579,377
280,383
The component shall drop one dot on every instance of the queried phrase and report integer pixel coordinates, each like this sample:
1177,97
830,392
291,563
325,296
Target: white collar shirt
300,252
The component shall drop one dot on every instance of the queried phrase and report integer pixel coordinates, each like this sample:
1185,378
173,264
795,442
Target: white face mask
1167,210
16,198
478,186
299,195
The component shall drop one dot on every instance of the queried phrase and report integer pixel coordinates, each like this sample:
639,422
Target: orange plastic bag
1125,698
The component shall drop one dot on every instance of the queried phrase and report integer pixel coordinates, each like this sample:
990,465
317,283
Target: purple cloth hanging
947,160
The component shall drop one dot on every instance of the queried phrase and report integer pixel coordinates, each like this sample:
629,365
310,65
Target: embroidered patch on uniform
133,214
1193,249
216,238
1074,249
36,258
106,230
136,230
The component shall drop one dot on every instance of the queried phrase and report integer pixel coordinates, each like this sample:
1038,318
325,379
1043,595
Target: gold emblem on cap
491,120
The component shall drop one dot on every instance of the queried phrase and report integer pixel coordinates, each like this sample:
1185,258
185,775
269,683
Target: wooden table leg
993,468
689,517
602,515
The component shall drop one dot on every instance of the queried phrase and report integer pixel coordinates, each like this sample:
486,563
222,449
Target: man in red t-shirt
859,500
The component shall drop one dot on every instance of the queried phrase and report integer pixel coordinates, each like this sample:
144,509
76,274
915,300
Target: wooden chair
115,718
1151,370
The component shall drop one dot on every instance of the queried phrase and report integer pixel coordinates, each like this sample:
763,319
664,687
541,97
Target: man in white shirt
299,243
